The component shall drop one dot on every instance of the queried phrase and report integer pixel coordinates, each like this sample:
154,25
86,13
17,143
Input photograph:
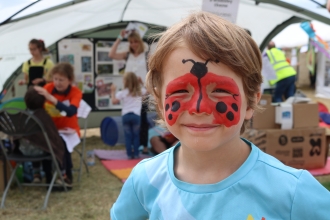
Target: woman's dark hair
33,99
40,45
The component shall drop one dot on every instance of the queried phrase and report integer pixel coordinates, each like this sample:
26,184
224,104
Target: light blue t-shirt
261,189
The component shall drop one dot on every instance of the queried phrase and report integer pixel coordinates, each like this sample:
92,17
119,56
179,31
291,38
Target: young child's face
203,103
61,82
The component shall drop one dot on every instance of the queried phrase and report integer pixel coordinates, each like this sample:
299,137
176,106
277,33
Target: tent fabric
54,25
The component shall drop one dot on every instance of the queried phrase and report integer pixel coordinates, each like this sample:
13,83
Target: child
131,101
35,103
205,76
35,70
62,102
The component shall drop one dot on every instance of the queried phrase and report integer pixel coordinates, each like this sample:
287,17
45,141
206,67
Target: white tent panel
164,13
54,25
51,27
295,36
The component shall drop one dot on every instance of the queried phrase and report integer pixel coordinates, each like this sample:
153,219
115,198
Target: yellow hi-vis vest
282,68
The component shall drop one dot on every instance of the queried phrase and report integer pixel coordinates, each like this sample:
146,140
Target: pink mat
114,155
321,171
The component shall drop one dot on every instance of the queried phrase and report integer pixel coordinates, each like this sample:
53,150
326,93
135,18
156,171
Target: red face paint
203,92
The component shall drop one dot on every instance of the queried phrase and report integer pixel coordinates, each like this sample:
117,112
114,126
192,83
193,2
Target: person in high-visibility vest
286,74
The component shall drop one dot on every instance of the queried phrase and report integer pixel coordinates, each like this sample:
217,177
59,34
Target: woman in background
136,62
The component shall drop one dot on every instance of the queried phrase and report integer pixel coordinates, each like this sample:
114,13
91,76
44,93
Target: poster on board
104,64
79,53
103,91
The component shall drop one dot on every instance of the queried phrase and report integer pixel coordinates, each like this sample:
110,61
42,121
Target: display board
79,53
95,72
323,76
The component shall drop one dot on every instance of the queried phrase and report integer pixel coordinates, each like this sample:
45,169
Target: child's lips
201,127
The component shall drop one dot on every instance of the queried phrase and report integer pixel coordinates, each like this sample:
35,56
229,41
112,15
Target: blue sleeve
70,110
311,199
128,206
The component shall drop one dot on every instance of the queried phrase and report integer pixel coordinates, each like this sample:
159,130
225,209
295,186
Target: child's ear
249,110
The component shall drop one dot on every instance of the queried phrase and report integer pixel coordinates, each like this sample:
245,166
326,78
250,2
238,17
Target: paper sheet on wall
71,140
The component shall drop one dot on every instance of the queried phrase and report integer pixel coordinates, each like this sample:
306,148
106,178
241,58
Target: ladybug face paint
201,91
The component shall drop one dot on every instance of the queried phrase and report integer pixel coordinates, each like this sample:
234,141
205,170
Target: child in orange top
62,102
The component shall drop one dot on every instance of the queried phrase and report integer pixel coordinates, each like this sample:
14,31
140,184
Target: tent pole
122,14
8,19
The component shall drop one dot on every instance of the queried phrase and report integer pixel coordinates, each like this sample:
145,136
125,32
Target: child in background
36,69
35,103
205,76
131,99
62,103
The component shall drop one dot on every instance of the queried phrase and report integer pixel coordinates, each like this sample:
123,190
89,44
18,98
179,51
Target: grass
91,199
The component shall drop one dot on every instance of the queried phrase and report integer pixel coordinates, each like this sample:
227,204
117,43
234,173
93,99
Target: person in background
131,99
62,103
163,142
205,94
36,69
35,103
136,62
286,74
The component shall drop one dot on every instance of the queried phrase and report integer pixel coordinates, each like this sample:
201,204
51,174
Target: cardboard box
305,115
265,119
303,148
266,99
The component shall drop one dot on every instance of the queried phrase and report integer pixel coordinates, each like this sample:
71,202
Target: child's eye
180,91
220,91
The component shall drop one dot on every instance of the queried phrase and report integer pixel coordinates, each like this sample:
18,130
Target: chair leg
50,187
12,176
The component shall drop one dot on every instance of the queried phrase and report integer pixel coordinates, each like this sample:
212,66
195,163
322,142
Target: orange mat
120,168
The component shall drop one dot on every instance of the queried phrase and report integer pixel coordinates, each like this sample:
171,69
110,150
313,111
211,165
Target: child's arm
114,100
128,206
311,200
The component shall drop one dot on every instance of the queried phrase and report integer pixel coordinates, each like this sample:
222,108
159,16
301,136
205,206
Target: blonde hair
135,36
209,37
64,69
132,83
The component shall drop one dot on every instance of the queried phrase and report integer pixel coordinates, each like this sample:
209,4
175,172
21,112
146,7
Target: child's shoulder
154,166
277,167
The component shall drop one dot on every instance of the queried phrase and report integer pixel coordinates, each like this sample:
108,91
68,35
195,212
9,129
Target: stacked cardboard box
303,145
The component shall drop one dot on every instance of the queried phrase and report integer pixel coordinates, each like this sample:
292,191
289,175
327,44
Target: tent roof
52,25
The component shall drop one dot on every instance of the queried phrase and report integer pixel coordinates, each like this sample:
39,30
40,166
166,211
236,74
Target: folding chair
83,112
17,123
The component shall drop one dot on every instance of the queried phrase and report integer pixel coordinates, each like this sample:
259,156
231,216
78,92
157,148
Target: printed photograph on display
104,68
104,103
103,84
86,47
104,44
86,64
103,89
69,58
88,84
103,56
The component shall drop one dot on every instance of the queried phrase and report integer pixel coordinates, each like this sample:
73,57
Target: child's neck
37,59
211,166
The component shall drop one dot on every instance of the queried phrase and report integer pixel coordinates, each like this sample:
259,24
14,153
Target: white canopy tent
264,19
295,36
